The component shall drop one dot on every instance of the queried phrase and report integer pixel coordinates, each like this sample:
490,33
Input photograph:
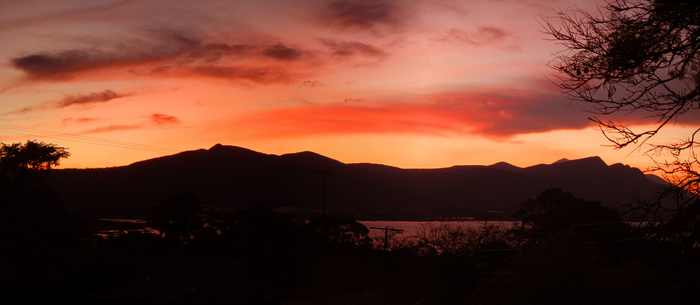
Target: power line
83,139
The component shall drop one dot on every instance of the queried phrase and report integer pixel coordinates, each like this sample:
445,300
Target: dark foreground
568,251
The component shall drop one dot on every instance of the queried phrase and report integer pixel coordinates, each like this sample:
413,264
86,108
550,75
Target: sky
414,83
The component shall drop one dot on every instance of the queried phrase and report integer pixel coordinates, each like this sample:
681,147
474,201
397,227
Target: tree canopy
555,210
32,155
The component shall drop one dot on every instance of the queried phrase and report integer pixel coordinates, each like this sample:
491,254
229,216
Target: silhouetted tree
33,155
640,57
28,203
34,227
177,216
555,211
340,231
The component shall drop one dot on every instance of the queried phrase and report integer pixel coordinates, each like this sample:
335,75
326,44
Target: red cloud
112,128
488,114
163,119
496,114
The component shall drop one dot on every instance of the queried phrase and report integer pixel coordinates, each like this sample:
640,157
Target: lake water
412,228
115,227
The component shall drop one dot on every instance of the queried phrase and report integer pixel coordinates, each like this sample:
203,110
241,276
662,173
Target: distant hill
234,178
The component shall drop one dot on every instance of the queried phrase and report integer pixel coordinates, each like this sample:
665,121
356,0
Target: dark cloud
92,98
362,14
282,52
263,75
164,119
70,14
352,48
58,65
162,51
70,100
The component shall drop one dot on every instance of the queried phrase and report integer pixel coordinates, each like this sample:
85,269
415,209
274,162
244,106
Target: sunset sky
414,83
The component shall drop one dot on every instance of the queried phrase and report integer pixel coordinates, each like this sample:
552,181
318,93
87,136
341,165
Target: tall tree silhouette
32,155
28,205
554,211
34,226
639,57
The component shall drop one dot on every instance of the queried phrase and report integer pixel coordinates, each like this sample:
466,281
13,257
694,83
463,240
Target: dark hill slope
234,177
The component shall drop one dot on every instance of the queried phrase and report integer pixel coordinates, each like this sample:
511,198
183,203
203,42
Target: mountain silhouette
230,177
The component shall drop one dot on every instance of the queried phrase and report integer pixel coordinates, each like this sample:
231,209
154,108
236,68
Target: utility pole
324,194
386,234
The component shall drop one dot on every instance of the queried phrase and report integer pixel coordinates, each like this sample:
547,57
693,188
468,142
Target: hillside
235,178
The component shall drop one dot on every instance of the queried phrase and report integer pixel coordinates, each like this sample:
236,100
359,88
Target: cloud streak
91,98
345,49
155,119
360,15
164,119
496,114
482,36
79,120
162,51
112,128
72,100
282,52
489,114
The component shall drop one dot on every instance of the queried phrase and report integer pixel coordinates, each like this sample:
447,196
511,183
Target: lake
412,228
115,227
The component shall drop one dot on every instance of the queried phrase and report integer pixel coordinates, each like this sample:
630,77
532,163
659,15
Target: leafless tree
633,59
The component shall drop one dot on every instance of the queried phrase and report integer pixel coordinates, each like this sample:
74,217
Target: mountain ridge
228,148
239,178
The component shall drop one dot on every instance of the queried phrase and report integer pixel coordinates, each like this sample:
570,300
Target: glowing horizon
412,84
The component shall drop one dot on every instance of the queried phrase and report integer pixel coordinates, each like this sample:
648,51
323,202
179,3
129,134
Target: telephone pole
386,234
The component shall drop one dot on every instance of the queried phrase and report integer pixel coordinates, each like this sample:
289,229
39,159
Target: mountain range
230,177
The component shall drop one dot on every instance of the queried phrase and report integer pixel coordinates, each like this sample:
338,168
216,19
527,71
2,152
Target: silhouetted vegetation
183,250
232,226
634,59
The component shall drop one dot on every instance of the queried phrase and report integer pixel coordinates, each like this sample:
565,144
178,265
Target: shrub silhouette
555,211
177,216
